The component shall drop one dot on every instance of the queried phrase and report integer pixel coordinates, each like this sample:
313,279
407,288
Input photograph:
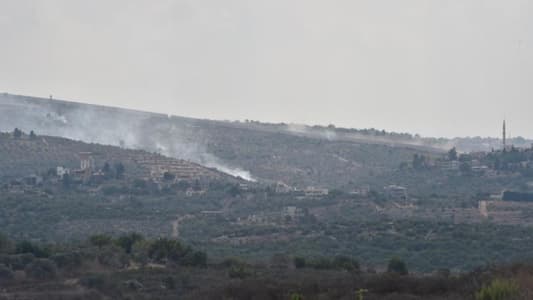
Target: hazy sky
434,67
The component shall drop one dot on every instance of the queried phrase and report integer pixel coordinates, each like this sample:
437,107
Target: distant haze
438,68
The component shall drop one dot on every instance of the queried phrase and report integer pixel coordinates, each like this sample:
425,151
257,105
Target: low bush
498,289
41,269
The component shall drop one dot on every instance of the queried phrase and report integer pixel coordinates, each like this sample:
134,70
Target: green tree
452,154
163,249
6,245
106,169
345,263
66,181
398,266
29,247
17,133
126,242
419,161
194,258
32,135
465,168
299,262
100,240
119,170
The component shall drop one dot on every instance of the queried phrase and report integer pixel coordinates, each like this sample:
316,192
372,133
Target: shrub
321,263
101,282
94,281
232,261
240,271
28,247
498,289
296,296
280,261
6,273
113,256
6,245
169,283
17,133
100,240
126,242
299,262
41,269
195,258
345,263
18,261
398,266
68,261
165,249
109,190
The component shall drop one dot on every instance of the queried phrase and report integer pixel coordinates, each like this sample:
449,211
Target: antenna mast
504,136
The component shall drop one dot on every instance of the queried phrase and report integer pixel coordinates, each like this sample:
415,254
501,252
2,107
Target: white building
62,171
315,192
86,161
449,165
396,192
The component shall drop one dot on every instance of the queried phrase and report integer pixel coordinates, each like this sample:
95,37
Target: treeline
17,134
39,261
106,267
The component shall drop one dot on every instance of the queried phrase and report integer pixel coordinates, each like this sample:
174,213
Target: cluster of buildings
308,192
165,169
395,192
287,214
87,172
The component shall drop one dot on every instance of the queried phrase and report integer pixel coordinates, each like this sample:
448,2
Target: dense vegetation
132,267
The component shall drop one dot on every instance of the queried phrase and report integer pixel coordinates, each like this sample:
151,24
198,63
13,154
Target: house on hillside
33,180
282,188
86,161
449,165
396,192
62,171
361,192
292,212
311,192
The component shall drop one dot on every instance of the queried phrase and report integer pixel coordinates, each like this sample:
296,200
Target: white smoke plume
125,128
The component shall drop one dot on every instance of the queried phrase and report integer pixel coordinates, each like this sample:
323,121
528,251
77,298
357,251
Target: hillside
368,198
25,156
159,196
296,155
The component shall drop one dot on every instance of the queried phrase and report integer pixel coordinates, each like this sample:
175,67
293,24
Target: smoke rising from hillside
129,129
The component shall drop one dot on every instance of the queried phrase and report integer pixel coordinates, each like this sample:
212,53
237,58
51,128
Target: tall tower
504,136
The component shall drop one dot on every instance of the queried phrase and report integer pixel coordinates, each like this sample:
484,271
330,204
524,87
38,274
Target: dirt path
176,225
483,209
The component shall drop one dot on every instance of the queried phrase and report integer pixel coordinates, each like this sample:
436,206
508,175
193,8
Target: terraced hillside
27,155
